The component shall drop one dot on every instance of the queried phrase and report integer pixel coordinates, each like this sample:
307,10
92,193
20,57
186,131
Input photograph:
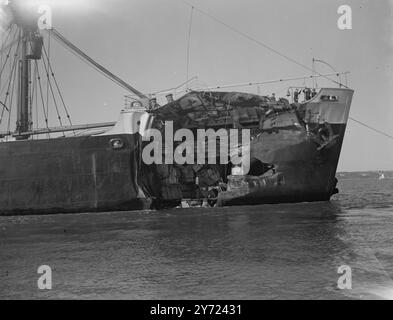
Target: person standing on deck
307,94
296,96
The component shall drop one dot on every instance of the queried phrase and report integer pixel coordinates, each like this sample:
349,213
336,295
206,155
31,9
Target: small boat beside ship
294,146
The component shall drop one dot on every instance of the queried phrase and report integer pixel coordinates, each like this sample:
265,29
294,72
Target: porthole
116,144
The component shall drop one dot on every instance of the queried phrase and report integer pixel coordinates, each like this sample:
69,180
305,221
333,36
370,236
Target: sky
145,43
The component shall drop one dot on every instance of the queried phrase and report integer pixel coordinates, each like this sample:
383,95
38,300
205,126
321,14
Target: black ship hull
305,175
294,153
81,174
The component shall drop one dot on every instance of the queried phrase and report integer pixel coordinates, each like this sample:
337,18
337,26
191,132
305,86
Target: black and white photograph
196,154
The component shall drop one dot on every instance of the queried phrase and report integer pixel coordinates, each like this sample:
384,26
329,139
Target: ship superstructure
294,145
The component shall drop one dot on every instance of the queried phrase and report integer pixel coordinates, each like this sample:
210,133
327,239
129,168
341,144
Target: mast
25,16
23,113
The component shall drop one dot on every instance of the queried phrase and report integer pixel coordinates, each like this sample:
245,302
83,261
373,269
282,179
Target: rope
41,94
175,88
33,88
10,63
271,81
53,96
189,45
2,48
4,106
58,89
47,78
8,54
75,50
12,98
258,42
33,98
371,128
12,75
36,98
13,69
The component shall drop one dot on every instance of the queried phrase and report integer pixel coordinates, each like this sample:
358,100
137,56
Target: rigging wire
6,46
189,45
47,77
271,81
327,64
13,69
42,97
262,44
76,51
36,98
12,97
11,66
7,94
32,98
175,88
2,48
58,88
4,106
372,128
49,84
258,42
8,54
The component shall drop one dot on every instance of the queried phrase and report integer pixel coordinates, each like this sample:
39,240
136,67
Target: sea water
288,251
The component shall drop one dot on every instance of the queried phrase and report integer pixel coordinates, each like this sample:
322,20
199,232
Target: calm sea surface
262,252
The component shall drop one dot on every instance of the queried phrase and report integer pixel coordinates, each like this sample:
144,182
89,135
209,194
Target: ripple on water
259,252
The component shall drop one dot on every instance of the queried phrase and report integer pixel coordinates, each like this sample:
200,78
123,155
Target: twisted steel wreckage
293,151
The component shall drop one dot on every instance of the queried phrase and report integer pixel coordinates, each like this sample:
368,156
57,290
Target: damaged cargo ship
293,151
